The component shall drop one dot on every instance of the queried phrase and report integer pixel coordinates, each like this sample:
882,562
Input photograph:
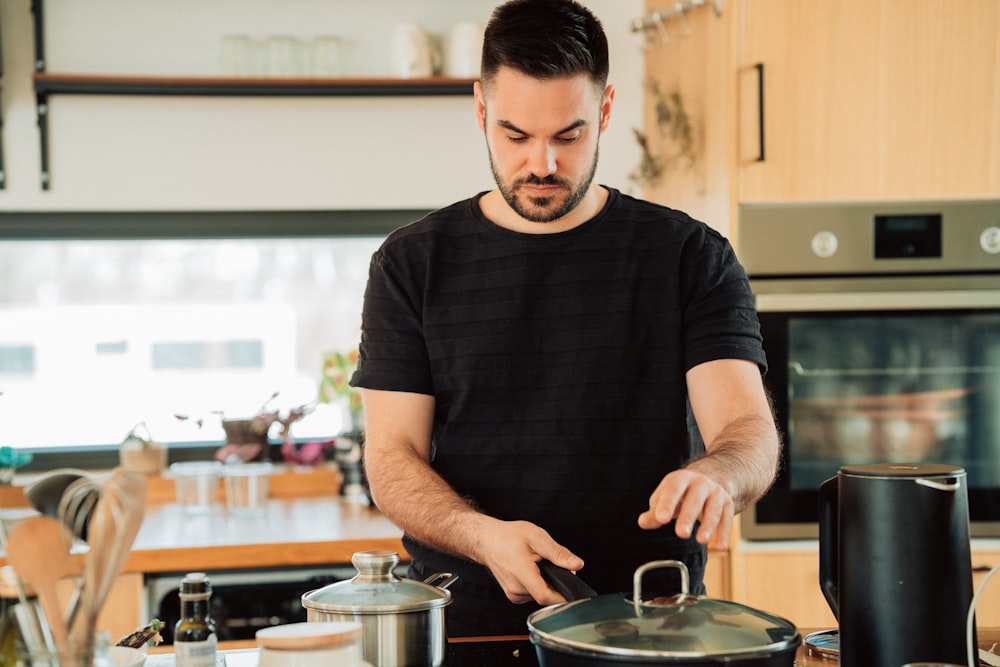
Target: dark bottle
194,635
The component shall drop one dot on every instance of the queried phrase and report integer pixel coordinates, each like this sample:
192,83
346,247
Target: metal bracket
3,173
41,99
42,109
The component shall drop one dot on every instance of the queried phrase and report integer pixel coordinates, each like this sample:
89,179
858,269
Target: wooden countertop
305,523
292,531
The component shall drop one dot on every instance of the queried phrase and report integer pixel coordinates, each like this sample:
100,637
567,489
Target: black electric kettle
895,562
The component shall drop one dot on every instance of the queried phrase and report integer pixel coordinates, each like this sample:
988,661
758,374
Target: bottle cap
196,585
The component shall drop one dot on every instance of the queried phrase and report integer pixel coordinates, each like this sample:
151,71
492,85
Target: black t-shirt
557,363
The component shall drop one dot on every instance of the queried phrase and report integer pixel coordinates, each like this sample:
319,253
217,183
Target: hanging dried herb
674,127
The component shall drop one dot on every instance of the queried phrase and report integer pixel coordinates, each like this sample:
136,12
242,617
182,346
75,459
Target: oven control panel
898,238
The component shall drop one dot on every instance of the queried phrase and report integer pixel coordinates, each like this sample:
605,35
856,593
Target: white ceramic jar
327,644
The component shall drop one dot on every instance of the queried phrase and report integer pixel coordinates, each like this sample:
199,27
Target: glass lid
377,589
680,625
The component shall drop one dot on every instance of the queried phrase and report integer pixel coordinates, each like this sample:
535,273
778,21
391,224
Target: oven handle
862,301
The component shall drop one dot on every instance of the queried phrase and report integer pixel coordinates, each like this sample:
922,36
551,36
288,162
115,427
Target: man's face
542,137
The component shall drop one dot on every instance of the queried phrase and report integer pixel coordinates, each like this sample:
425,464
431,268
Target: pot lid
377,590
680,626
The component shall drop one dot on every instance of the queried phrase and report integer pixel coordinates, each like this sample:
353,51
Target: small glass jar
311,644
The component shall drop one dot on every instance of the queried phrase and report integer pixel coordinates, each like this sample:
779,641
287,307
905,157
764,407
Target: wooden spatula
39,550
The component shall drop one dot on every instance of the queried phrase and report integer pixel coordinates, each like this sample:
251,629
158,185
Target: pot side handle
565,582
829,544
441,580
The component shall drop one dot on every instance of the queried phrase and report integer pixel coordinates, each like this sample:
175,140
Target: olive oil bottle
194,635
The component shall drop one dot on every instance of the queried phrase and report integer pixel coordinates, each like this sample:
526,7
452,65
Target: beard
543,209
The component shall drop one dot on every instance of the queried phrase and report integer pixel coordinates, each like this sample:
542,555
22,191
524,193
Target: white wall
268,153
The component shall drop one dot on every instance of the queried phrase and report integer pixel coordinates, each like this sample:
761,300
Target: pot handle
829,543
446,579
565,582
637,601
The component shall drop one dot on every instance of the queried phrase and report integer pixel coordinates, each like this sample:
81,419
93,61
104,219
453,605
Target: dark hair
545,39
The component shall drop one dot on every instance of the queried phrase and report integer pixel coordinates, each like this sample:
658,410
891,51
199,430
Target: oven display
908,236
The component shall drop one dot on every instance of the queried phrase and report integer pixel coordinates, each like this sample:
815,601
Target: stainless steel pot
628,630
402,620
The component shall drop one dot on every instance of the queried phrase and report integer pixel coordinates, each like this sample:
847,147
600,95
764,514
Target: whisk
113,525
77,503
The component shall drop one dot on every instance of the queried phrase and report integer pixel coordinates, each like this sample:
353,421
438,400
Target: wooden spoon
39,550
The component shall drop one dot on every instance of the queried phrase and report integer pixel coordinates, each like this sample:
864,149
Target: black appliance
244,601
876,583
881,323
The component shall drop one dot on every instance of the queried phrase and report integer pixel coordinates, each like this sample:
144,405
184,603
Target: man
530,357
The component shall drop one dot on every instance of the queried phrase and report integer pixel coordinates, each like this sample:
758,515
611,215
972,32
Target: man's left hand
687,496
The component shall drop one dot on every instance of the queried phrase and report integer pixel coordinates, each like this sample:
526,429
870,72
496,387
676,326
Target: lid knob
375,566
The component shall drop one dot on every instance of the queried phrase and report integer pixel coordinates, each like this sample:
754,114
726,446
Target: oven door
880,370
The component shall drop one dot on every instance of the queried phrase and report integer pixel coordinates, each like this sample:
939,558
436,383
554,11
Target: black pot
626,630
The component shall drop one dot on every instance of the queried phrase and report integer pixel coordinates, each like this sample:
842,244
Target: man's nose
542,160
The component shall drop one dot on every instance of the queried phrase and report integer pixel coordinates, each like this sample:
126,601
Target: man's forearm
743,457
409,492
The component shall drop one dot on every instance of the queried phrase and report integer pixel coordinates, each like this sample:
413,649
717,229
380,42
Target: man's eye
569,139
516,138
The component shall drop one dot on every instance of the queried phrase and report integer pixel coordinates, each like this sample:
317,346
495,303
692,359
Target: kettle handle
829,537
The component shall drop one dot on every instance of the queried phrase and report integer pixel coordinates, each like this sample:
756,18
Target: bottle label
195,654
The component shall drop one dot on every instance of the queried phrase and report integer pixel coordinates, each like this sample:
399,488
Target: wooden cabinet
783,580
122,611
717,575
988,606
809,69
860,100
870,100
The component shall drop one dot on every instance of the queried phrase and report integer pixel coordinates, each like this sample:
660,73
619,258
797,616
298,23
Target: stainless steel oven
881,324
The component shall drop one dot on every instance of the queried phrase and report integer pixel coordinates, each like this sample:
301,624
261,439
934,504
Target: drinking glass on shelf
237,56
285,56
327,57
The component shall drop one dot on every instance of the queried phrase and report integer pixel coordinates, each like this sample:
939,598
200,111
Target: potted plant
334,386
10,461
139,452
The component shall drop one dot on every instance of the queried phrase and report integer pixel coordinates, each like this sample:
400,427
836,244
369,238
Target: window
99,333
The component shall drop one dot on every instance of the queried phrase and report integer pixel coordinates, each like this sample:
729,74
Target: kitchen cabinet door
784,582
988,606
870,100
820,90
717,584
939,112
122,610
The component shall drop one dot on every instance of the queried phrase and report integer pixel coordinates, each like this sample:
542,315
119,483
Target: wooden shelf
86,84
47,84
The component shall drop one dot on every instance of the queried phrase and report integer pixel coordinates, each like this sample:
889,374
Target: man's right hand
413,495
512,549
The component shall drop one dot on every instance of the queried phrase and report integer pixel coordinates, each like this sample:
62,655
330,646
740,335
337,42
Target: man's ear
609,98
477,89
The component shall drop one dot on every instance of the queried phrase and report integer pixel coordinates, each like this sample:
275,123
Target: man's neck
498,211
